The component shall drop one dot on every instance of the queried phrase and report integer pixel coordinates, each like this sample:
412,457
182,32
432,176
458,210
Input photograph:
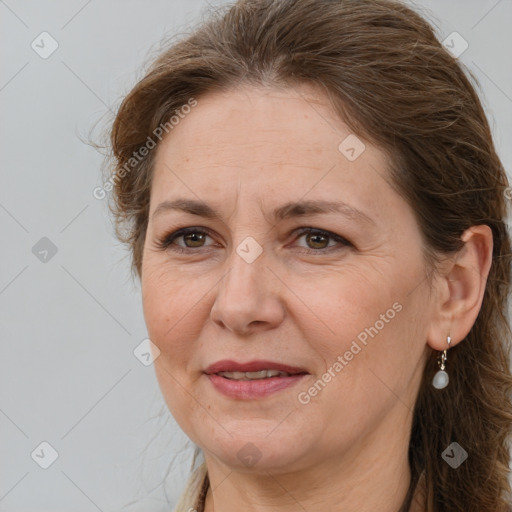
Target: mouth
253,370
259,375
255,379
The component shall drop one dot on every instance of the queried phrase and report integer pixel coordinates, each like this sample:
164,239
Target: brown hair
393,83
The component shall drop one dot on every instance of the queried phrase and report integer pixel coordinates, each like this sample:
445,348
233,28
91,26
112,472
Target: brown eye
320,241
195,239
183,239
317,241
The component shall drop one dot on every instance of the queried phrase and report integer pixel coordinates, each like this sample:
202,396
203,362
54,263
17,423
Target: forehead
274,122
268,141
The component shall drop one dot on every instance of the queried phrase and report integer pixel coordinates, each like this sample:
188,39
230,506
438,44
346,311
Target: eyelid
168,239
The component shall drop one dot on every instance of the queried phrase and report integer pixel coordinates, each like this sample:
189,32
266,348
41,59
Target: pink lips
253,389
252,366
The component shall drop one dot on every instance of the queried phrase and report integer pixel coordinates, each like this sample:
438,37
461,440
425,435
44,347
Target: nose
249,297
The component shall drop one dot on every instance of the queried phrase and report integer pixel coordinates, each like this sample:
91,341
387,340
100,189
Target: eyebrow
288,210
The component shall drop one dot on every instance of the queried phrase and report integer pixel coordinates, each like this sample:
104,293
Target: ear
460,288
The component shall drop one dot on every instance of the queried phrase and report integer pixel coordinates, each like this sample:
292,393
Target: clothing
202,496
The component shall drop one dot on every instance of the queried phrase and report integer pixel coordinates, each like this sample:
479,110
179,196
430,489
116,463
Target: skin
245,153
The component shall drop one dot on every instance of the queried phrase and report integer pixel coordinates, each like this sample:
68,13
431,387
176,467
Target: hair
394,84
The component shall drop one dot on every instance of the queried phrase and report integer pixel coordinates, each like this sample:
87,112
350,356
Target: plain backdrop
70,313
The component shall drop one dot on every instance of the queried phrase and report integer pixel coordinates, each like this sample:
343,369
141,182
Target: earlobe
461,288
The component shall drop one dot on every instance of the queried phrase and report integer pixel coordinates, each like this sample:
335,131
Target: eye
192,238
318,240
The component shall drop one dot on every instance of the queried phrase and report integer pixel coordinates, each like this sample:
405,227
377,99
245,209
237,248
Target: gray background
69,324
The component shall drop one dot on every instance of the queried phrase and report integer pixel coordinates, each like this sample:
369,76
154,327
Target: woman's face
338,315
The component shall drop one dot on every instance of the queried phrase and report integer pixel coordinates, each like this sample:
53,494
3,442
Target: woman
316,210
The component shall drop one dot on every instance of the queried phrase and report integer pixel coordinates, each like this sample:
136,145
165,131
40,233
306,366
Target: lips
263,374
252,366
252,380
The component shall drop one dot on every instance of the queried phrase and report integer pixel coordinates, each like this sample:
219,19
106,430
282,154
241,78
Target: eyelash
166,243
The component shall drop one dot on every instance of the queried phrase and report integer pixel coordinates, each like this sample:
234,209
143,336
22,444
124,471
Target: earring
441,378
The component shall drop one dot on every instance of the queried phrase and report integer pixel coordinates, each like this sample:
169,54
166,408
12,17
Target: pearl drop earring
441,379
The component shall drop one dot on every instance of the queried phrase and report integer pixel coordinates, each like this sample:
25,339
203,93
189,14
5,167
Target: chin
255,451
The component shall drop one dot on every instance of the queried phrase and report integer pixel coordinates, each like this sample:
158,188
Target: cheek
370,321
172,308
179,395
169,303
344,306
